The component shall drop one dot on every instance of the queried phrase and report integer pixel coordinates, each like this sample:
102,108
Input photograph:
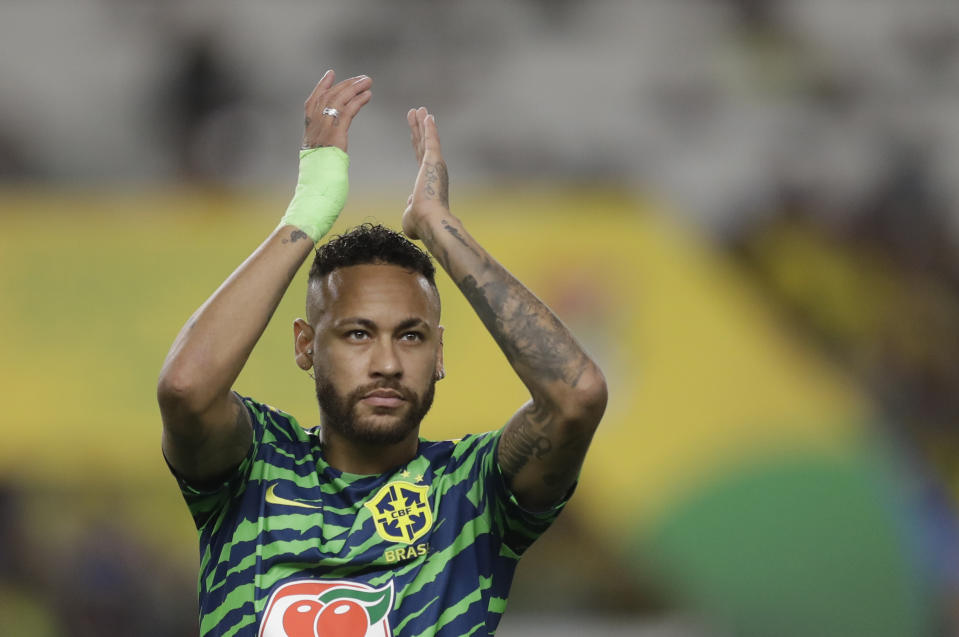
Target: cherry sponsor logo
328,608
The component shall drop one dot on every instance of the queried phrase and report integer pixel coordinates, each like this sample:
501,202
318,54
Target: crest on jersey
401,512
317,608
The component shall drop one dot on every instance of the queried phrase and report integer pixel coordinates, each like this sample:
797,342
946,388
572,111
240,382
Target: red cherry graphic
300,617
342,618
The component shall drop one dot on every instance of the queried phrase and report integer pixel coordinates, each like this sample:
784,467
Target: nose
385,361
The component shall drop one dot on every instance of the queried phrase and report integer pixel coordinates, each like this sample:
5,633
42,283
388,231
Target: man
359,527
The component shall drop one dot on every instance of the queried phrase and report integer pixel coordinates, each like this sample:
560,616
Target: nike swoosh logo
273,498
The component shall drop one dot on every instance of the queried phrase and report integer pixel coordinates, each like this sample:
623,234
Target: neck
360,458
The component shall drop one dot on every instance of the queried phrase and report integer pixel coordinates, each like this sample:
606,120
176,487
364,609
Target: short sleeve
516,526
207,502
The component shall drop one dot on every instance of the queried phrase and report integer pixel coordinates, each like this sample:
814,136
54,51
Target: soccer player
360,527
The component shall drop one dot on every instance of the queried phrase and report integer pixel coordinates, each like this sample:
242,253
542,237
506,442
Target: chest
331,526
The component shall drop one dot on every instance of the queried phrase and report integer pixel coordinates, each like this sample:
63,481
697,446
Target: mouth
383,398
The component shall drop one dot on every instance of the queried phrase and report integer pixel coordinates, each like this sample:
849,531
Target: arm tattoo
527,332
530,437
542,448
436,248
295,236
526,440
456,235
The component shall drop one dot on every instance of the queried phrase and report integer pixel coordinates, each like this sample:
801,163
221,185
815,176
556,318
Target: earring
440,375
309,372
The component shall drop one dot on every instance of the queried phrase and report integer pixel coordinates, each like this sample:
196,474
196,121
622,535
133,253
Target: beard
340,412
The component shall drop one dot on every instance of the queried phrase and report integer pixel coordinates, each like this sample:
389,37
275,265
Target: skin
206,430
545,442
374,326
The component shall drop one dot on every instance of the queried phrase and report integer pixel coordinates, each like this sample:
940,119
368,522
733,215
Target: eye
412,337
357,335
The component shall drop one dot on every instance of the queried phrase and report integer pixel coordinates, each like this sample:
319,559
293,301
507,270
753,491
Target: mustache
408,395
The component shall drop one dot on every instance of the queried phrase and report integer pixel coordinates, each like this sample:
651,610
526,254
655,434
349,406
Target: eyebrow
405,324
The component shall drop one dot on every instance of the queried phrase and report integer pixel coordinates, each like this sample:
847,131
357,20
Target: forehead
377,292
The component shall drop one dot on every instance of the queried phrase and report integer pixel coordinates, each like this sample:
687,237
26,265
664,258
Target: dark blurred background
748,210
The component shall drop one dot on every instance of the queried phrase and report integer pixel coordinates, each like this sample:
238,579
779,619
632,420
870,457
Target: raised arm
543,446
206,431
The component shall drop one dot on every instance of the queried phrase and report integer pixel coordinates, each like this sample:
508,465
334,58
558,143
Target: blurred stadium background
748,210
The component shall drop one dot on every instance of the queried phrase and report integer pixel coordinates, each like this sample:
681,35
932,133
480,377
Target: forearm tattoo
543,352
459,237
537,345
437,249
526,330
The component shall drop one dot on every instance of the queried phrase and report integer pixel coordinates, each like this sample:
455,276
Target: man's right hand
346,97
206,429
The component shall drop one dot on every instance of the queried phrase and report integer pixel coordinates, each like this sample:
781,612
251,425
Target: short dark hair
371,244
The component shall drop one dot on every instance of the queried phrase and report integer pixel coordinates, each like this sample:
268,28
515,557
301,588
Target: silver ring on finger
332,112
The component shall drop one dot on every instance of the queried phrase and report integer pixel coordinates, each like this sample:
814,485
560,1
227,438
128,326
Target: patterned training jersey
292,547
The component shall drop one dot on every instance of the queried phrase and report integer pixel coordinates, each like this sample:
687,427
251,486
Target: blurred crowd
815,141
710,104
101,579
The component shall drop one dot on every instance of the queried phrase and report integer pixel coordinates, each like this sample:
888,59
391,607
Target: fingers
431,136
421,114
426,138
342,93
346,97
415,134
321,87
411,120
349,96
329,95
327,80
423,133
351,108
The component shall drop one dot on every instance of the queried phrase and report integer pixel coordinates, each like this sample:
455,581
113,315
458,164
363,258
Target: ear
303,344
440,372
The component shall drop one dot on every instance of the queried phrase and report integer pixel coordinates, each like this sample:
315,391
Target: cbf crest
401,512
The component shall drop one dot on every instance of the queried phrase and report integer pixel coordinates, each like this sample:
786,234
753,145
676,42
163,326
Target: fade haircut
371,244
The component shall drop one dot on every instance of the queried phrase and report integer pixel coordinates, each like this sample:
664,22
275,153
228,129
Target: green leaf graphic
377,602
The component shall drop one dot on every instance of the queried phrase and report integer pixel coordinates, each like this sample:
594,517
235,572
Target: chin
380,434
383,428
371,425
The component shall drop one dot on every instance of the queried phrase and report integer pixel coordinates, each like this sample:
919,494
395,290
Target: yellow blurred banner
95,287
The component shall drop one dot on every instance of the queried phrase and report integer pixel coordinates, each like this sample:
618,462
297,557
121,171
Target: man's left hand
430,196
